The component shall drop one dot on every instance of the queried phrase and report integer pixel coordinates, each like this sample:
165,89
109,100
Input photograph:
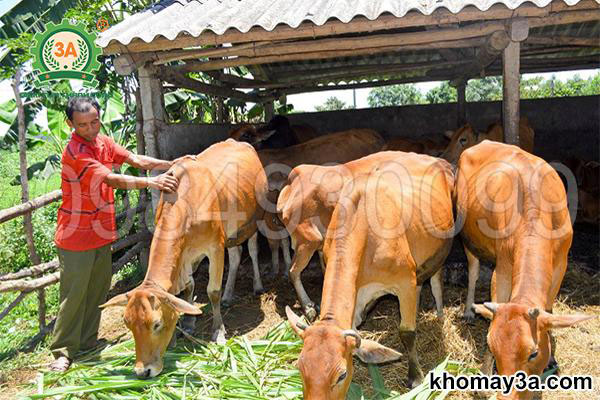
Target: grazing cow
216,206
276,134
466,136
339,147
390,230
422,146
515,215
305,206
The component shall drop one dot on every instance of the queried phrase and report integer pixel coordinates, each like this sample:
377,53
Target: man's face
86,124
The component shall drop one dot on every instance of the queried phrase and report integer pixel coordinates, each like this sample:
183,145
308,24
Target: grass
241,369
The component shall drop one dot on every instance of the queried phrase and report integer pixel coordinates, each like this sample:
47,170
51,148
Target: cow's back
227,178
401,214
504,194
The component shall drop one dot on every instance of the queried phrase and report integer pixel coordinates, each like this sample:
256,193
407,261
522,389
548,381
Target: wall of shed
563,126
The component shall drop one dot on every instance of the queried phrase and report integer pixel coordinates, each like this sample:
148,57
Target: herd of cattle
382,216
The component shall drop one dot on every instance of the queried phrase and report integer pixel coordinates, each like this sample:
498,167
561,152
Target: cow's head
151,314
250,134
325,362
460,140
518,337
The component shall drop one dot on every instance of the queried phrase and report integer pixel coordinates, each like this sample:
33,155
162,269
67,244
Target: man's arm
164,182
148,163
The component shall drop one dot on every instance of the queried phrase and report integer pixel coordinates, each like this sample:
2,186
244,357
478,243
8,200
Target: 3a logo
65,51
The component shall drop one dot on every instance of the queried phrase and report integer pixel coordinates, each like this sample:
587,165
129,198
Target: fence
39,277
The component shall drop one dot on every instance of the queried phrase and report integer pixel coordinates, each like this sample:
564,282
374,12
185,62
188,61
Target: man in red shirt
86,225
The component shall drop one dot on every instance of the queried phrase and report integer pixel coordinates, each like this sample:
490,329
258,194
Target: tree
332,104
395,95
444,93
485,89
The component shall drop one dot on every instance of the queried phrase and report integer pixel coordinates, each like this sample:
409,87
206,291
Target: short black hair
81,104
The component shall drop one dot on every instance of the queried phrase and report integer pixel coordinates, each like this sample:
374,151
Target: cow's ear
486,310
119,300
179,305
372,352
550,321
449,134
295,322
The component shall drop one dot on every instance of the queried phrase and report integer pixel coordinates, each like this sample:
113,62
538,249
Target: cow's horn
301,325
534,313
354,334
493,307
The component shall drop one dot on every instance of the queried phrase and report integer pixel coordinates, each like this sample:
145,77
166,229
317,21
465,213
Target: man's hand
186,157
164,182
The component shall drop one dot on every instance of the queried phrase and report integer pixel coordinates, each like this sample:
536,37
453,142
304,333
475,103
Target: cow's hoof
310,313
259,291
219,337
226,303
469,317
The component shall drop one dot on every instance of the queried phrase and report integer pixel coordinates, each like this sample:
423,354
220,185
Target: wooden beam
487,53
511,97
33,204
196,66
236,81
269,111
357,25
178,55
126,64
563,40
177,78
461,104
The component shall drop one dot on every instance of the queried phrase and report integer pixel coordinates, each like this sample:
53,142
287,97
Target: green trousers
84,283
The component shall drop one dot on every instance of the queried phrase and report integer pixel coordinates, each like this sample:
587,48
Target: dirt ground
577,351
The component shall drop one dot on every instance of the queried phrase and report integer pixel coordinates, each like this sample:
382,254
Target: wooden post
269,111
141,149
28,226
518,31
153,114
461,105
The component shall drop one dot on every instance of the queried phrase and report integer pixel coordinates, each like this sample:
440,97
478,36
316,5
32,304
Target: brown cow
276,134
305,206
466,136
216,206
587,176
515,214
339,147
390,230
421,146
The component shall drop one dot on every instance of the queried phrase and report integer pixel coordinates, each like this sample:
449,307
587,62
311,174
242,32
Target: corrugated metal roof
170,18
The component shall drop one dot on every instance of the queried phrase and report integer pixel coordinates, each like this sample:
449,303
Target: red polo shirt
86,217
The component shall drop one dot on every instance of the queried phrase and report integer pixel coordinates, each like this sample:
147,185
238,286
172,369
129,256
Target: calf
515,215
215,206
391,230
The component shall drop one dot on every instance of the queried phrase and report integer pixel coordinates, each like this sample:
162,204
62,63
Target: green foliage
537,87
444,93
332,104
485,89
395,95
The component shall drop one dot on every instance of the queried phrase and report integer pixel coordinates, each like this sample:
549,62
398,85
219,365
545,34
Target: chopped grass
240,369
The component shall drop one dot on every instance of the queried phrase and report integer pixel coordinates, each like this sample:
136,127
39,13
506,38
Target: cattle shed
292,47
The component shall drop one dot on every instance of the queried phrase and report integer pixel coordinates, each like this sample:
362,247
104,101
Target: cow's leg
235,257
285,247
501,285
473,265
274,246
302,256
322,261
437,289
407,295
408,323
215,280
188,322
419,289
257,285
